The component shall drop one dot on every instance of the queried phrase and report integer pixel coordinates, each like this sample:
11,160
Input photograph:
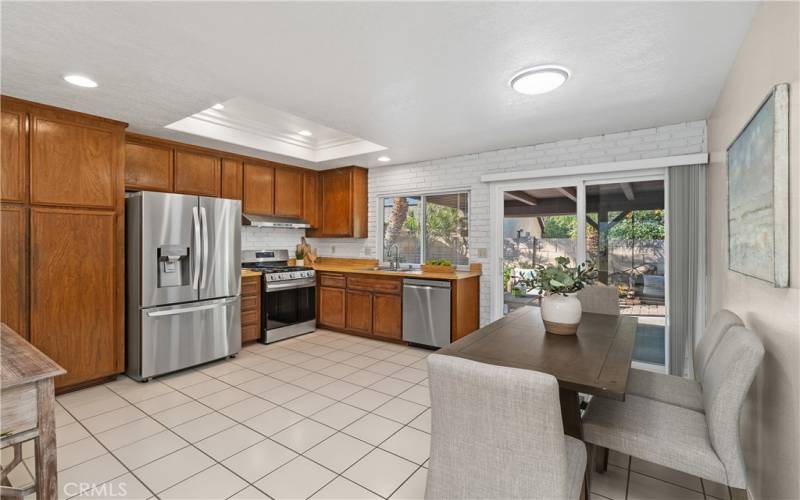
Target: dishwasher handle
417,283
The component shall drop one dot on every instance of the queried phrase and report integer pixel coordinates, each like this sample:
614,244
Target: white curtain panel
687,269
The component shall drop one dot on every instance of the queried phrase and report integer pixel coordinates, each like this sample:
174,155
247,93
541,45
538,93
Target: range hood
270,221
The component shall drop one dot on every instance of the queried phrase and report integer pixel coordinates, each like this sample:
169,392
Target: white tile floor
325,415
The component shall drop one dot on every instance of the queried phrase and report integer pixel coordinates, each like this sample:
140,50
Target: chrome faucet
394,264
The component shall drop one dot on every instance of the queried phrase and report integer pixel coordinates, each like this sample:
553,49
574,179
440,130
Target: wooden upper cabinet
13,289
76,306
387,316
311,199
73,163
148,167
288,193
231,179
197,173
13,155
259,189
343,203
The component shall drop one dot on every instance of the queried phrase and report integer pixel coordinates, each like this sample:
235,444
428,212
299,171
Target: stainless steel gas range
288,294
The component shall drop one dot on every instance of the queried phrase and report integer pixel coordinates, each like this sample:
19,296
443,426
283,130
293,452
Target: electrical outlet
333,249
482,253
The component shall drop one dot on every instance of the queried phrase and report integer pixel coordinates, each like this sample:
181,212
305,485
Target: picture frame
758,192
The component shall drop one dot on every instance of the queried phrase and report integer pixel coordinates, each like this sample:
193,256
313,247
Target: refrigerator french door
183,273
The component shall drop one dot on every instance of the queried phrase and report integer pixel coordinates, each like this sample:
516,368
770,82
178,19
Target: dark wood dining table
596,360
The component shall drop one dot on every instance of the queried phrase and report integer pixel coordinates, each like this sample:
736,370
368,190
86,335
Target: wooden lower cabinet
331,307
387,316
251,308
359,311
13,283
364,305
76,298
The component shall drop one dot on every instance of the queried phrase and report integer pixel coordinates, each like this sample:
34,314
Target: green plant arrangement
299,253
561,278
439,262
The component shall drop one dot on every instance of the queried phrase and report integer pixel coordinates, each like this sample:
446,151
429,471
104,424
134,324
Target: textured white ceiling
426,80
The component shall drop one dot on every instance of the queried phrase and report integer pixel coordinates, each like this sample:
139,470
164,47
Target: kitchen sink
388,269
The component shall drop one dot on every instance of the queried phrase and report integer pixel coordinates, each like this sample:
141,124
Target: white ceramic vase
300,262
561,315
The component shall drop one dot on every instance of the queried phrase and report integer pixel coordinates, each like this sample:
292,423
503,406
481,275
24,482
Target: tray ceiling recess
248,123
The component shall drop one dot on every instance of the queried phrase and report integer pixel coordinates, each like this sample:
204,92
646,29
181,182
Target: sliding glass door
625,238
618,222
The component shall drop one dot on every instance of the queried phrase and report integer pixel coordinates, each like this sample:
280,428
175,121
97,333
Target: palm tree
397,217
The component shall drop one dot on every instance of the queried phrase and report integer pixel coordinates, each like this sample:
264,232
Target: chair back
719,326
600,299
496,432
726,380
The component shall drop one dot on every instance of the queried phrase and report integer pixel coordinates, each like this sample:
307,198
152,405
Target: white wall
771,417
465,172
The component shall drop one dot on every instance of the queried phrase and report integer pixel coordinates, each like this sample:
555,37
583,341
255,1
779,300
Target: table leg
45,448
571,418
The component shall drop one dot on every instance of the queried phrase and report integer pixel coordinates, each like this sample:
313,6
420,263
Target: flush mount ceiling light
305,133
539,79
80,81
218,106
384,158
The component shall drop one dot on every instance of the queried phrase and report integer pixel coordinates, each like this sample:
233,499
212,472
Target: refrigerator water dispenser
173,265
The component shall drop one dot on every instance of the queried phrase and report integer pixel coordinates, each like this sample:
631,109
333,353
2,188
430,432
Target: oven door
290,303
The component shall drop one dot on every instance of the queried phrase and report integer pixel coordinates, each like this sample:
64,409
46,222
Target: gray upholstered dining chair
599,299
702,444
496,432
682,391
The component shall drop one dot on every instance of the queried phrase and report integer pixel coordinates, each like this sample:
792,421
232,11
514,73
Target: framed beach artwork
758,193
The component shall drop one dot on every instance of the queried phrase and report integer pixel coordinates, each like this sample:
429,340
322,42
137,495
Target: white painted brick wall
465,171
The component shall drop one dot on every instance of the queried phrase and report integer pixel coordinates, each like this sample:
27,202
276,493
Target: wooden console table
28,413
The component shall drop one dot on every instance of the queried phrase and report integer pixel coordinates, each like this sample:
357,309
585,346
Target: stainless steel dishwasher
426,312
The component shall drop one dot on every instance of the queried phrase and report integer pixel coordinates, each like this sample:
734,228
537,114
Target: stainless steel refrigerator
183,280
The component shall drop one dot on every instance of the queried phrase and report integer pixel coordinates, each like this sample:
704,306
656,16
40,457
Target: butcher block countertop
246,273
366,266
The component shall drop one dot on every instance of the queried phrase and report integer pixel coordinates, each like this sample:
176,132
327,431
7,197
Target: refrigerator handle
205,246
196,249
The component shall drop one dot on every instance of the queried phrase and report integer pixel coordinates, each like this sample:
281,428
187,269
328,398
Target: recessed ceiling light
80,81
539,79
218,105
384,158
305,133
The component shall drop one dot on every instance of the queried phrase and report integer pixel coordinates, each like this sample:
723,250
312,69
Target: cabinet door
288,193
259,189
310,199
387,316
73,164
12,268
231,179
148,167
337,209
359,311
251,308
332,307
76,317
197,173
13,156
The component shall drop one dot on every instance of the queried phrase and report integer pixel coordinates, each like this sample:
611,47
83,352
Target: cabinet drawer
251,286
249,303
250,318
374,284
334,280
19,409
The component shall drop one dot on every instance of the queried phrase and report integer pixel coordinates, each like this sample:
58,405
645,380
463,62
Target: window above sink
424,227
